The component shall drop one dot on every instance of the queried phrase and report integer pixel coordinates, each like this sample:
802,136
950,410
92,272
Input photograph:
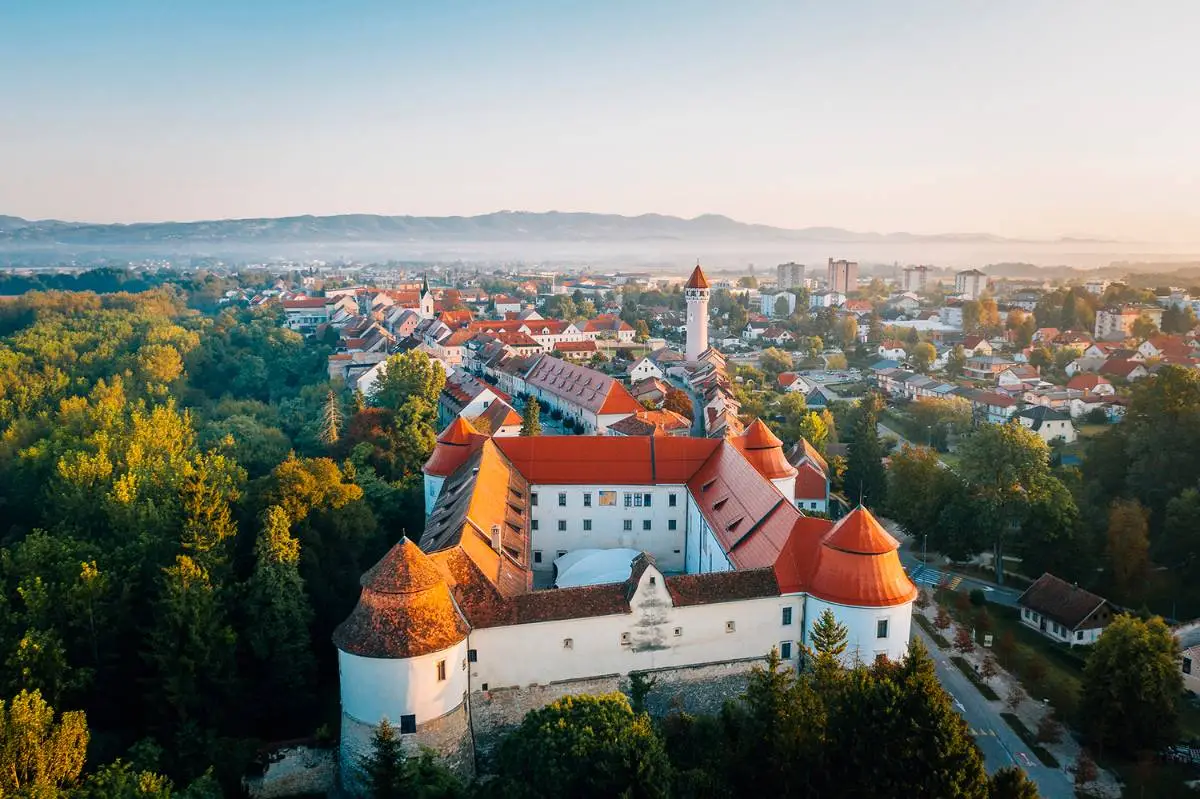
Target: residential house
777,336
1126,369
644,368
992,407
826,299
976,345
753,330
1049,424
500,419
1091,384
506,304
576,350
986,367
304,314
892,349
860,308
812,479
593,399
467,396
906,302
792,382
1064,612
649,389
1017,378
1044,335
769,303
652,423
609,326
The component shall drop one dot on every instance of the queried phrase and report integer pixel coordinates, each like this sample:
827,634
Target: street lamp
924,543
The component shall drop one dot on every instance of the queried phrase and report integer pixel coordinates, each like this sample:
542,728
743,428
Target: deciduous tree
1129,546
39,754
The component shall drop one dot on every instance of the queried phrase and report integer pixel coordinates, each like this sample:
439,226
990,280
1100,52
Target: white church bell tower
696,292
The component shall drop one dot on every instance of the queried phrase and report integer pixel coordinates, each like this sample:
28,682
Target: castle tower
764,451
696,292
458,442
402,656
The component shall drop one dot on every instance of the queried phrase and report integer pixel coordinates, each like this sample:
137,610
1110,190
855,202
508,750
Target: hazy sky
1033,118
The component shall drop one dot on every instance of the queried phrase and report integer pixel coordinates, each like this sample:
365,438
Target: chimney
496,537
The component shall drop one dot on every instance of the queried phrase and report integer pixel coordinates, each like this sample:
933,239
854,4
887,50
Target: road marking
1025,759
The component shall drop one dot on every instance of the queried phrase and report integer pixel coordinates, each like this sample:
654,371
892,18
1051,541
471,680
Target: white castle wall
608,531
433,487
861,627
704,554
378,688
528,654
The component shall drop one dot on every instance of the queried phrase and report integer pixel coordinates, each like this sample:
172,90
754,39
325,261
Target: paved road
1000,745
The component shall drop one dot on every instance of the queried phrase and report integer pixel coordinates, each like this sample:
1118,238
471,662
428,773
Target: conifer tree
278,615
190,651
331,420
208,523
384,766
531,423
829,637
866,479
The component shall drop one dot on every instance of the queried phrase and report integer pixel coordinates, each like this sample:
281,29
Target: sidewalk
1029,711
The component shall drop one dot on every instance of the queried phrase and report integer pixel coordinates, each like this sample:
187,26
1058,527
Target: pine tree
331,420
866,479
531,423
278,615
829,637
207,521
384,767
190,651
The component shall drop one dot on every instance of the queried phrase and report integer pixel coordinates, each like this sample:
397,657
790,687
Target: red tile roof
581,386
575,346
858,565
454,447
811,483
305,302
697,280
568,460
764,451
1087,382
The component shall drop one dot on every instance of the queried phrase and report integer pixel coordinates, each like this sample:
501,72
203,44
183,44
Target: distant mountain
514,226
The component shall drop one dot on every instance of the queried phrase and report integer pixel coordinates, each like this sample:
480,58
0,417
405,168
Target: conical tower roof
764,450
405,609
455,445
697,280
858,565
860,533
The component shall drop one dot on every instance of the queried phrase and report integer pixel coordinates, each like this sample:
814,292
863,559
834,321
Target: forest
187,504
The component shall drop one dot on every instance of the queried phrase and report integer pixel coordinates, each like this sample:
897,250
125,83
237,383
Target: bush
556,414
978,597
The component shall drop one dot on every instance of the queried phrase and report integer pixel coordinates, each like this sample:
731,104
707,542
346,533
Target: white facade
767,302
697,323
970,284
1059,632
951,315
374,689
654,635
863,627
561,516
643,369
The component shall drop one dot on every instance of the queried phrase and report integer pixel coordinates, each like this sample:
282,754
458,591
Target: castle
554,565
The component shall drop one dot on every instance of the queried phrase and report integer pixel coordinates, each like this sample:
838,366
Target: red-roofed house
576,350
1125,369
1091,384
609,326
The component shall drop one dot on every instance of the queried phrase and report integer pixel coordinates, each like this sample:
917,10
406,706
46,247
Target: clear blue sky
1015,117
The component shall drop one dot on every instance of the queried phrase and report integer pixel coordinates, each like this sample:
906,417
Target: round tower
402,656
696,292
764,450
858,575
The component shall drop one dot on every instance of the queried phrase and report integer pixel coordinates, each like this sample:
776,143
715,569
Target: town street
1000,745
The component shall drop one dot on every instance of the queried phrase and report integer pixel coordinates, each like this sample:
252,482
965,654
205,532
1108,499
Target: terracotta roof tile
697,279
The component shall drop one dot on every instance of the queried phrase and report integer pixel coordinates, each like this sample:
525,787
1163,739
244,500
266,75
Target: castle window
608,498
881,628
587,499
483,687
671,524
785,650
587,525
562,499
408,724
672,500
678,632
720,503
537,556
441,671
625,639
645,524
562,525
730,626
533,524
472,656
646,498
568,643
787,616
653,580
533,499
707,485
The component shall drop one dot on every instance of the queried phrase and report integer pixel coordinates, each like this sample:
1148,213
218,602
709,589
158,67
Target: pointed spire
697,280
424,284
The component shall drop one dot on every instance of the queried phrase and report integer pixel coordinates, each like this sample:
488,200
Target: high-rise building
791,275
915,278
970,283
696,293
843,276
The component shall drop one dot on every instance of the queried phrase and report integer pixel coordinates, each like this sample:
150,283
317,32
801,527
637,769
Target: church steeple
424,284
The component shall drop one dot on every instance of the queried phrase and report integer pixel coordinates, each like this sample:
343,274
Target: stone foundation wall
295,770
691,689
448,736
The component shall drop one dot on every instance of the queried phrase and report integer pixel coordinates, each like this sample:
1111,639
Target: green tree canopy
531,419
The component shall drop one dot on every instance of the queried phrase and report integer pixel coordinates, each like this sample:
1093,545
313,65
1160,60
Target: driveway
1000,745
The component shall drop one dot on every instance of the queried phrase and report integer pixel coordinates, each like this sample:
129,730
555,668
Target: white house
767,303
1049,423
644,368
1064,612
826,299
